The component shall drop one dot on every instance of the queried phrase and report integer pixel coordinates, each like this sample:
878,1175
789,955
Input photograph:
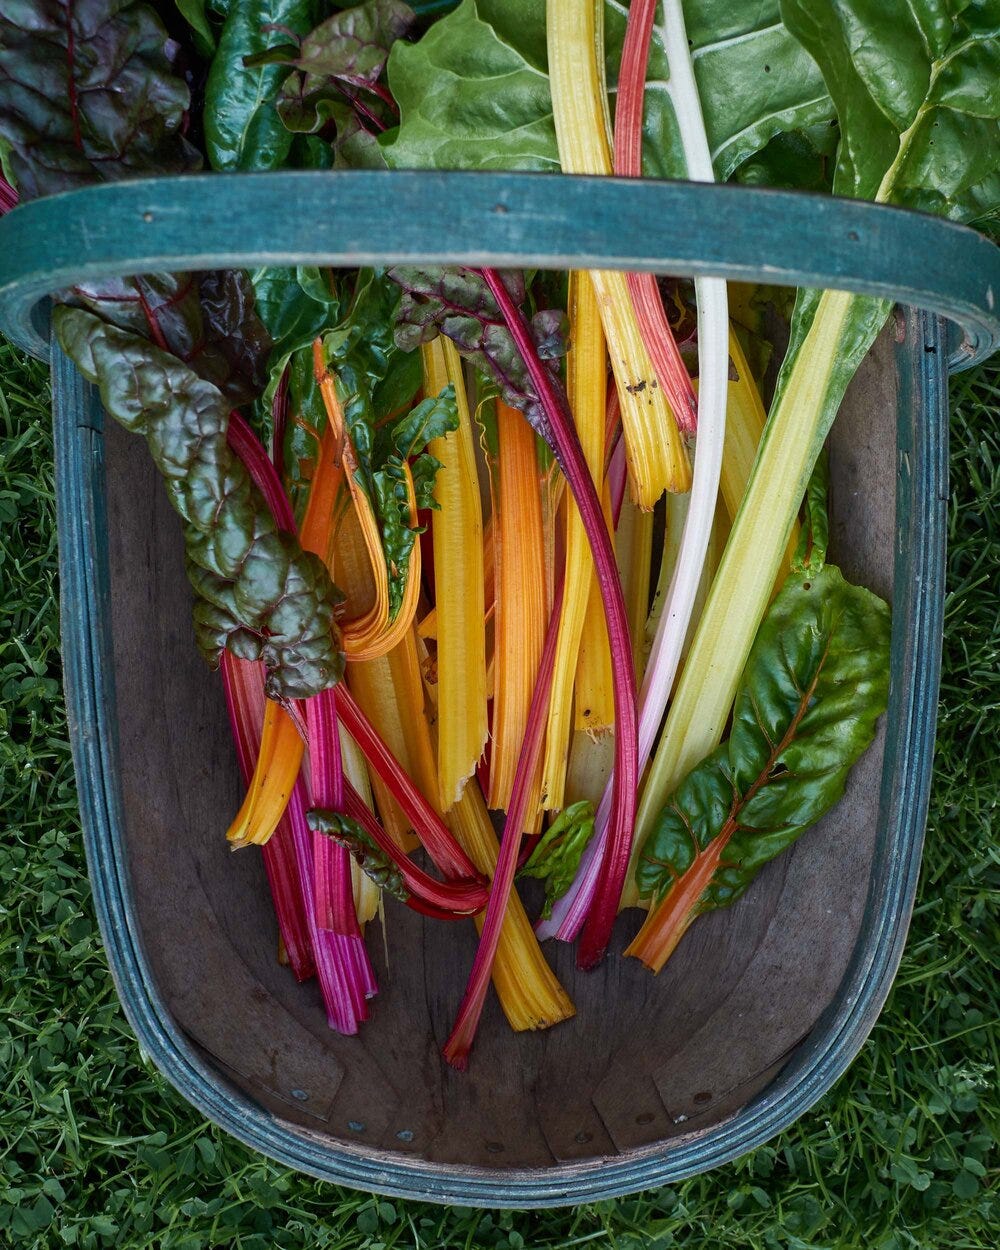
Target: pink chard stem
653,325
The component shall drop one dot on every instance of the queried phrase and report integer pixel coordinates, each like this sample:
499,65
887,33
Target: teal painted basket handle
354,217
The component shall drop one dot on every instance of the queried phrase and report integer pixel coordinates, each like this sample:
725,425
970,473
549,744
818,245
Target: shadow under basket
759,1011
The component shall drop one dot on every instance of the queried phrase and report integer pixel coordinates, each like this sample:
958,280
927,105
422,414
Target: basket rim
352,217
817,1063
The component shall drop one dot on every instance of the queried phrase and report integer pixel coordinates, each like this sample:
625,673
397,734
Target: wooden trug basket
764,1005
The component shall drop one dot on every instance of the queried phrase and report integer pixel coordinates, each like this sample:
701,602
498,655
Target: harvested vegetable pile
417,623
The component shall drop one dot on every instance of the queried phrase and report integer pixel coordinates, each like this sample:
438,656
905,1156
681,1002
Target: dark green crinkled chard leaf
474,91
458,303
242,126
207,320
557,855
88,94
815,684
258,594
365,851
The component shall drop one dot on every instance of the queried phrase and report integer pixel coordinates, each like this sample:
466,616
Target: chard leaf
242,126
193,12
258,594
207,320
916,85
557,855
367,854
474,91
815,683
295,304
458,302
810,554
344,55
376,377
88,94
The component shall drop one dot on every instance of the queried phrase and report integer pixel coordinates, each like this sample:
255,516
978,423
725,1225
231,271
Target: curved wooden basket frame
354,218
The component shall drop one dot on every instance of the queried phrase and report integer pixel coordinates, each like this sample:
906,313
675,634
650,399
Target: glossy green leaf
814,537
917,92
296,305
557,855
88,94
365,851
814,686
258,594
193,12
242,126
474,92
916,84
377,378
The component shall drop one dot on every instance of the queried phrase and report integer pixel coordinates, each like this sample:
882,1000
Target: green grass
97,1151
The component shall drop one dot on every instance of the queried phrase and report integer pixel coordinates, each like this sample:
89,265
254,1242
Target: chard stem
568,452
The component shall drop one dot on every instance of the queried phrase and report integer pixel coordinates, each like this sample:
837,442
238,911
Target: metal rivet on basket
300,1094
405,1134
853,235
356,1126
494,1147
647,1117
147,217
583,1138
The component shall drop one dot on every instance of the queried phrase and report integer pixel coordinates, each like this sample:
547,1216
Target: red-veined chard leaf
341,62
258,594
458,302
88,94
815,683
207,320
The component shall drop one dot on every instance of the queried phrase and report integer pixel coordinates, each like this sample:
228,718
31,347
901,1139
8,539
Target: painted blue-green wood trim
352,217
832,1044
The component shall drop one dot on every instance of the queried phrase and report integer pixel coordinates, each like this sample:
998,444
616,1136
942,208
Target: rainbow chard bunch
419,503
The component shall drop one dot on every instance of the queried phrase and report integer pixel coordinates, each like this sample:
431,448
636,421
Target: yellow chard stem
594,701
745,420
520,616
366,892
586,385
634,555
457,530
656,456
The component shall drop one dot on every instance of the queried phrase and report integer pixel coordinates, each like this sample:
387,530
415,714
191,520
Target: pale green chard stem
736,604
